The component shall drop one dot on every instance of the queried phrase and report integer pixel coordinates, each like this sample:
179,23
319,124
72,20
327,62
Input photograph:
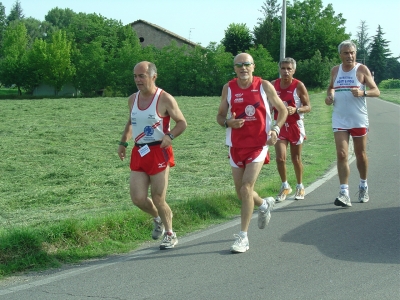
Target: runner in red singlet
245,112
297,102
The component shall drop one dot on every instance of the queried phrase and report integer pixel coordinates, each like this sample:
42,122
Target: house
151,34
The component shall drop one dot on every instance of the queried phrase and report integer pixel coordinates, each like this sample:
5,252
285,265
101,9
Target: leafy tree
267,33
38,29
3,21
218,68
37,60
13,63
393,68
309,26
378,56
237,38
265,67
60,18
16,12
171,62
120,67
59,69
319,67
91,69
362,42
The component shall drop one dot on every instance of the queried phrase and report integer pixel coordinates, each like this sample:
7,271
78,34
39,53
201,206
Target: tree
265,67
59,67
237,38
3,22
378,56
309,26
267,33
319,67
16,13
362,43
13,64
60,18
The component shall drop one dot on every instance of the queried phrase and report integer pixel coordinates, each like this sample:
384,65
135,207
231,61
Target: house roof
175,36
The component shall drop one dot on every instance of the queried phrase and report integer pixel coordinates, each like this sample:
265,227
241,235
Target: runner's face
286,70
142,78
244,66
348,55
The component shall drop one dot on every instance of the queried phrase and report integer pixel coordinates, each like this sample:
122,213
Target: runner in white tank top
347,92
148,124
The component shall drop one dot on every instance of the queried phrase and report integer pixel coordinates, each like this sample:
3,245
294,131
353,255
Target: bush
389,84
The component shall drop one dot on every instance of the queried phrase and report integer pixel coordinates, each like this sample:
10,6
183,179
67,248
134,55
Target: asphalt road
310,250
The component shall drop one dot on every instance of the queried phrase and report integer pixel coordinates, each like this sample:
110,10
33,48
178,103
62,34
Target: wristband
125,144
276,129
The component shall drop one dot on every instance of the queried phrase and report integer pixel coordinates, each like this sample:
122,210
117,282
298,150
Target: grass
64,193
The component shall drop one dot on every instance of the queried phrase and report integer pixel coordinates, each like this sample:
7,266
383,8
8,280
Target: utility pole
283,34
283,31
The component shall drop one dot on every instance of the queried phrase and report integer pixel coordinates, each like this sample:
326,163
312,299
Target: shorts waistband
148,144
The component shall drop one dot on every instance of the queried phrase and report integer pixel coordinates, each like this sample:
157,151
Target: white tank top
147,125
348,111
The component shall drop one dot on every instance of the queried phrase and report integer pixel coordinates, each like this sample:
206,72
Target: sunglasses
245,64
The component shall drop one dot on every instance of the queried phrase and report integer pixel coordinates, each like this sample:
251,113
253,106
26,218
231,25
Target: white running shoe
240,245
158,230
169,241
283,193
265,215
342,200
300,193
363,194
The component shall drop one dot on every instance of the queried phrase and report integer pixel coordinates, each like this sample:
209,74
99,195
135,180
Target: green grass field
64,193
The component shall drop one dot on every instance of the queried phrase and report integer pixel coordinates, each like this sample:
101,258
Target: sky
205,21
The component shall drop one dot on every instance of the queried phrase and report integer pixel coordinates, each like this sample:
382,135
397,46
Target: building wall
149,35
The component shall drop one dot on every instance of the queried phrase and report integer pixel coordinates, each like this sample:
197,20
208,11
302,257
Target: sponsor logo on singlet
148,130
238,100
250,110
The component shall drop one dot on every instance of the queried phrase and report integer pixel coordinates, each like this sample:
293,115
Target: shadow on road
371,236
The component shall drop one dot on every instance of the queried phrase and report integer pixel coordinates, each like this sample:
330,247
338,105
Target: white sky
205,21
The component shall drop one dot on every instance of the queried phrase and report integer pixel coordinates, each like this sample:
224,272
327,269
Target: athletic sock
243,234
344,189
363,183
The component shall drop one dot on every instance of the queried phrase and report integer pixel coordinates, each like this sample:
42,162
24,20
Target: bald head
146,67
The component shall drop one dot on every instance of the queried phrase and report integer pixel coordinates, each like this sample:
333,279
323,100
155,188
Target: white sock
363,183
243,234
344,189
264,205
285,184
157,219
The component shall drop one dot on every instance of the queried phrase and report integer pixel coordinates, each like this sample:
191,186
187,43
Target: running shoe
169,241
240,245
158,230
300,193
265,215
342,200
283,193
363,194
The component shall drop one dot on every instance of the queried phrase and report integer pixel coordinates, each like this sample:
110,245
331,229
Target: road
310,250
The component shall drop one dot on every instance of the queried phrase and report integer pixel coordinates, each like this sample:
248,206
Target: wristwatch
171,136
298,110
365,93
